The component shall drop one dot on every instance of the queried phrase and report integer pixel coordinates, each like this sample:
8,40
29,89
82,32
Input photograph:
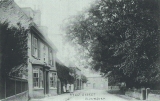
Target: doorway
46,83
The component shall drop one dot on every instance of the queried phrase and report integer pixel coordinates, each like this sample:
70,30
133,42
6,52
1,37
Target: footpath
151,97
134,99
62,97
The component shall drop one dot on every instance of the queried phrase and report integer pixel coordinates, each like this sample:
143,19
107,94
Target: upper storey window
35,47
50,56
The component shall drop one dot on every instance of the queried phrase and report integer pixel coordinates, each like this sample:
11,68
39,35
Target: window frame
53,83
50,56
40,80
35,47
44,53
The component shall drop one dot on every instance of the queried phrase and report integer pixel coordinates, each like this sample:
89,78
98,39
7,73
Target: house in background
65,78
78,82
76,72
96,83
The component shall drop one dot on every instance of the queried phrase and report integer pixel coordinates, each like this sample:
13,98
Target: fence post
143,94
15,87
21,86
5,87
147,93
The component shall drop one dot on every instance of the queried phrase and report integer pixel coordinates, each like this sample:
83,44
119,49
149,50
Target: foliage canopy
14,50
121,37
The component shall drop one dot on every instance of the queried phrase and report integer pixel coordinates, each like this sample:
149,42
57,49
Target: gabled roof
44,38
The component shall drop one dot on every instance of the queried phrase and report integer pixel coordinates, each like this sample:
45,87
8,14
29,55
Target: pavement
62,97
89,95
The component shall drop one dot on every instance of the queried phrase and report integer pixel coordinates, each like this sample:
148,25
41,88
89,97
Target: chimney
34,14
37,17
28,11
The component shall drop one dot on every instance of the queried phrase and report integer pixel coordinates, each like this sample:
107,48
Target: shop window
37,78
53,80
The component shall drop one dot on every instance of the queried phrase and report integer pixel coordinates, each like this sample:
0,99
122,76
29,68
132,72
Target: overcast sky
54,12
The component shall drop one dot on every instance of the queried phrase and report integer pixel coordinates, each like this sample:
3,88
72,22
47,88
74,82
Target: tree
84,78
14,50
121,36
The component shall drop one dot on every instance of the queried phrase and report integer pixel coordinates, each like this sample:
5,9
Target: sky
53,14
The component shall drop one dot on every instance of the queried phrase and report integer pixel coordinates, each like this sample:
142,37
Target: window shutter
32,44
39,48
48,55
52,58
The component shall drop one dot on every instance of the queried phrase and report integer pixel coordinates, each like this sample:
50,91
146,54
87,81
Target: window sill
51,65
52,88
38,88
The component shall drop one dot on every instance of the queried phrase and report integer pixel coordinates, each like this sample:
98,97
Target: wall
38,93
137,95
134,94
97,83
53,92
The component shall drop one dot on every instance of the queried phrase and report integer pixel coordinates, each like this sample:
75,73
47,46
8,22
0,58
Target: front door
46,83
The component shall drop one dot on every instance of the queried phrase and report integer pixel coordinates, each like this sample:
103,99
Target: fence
155,91
135,93
15,88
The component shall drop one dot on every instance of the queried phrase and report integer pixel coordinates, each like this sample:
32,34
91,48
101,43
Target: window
44,52
35,47
37,78
53,80
50,57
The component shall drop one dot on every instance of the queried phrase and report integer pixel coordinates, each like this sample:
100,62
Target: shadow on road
116,92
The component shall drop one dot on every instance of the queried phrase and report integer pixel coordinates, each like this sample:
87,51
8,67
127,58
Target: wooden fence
15,86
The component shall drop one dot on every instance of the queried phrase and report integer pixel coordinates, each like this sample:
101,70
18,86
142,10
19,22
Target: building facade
78,80
41,67
96,83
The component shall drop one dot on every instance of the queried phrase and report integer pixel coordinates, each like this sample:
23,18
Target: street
94,95
86,95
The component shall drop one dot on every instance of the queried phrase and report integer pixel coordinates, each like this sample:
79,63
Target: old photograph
79,50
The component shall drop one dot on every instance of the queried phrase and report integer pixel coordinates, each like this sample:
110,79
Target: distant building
96,83
77,78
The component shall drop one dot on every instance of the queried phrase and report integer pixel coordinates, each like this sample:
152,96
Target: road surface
87,95
94,95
